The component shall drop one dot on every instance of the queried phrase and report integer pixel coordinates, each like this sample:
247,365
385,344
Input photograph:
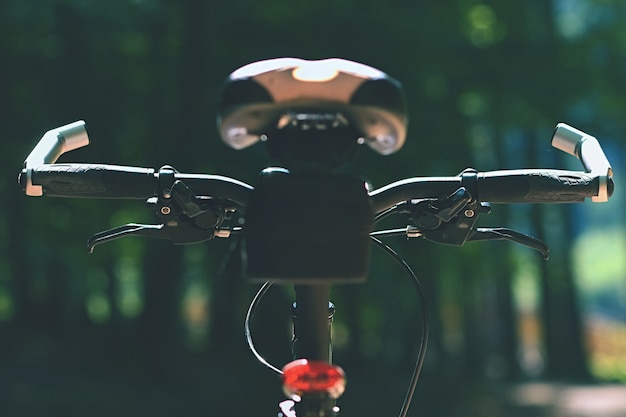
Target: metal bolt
167,193
222,233
469,213
412,231
165,210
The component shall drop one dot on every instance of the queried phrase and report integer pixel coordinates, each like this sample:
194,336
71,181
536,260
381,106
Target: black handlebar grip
94,181
536,186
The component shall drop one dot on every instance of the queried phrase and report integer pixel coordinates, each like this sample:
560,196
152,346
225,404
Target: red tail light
303,376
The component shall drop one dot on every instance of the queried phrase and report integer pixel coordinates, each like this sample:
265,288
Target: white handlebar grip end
596,163
53,144
30,189
588,150
74,136
567,139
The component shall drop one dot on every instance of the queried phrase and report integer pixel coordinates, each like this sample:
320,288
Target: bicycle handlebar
125,182
497,187
500,187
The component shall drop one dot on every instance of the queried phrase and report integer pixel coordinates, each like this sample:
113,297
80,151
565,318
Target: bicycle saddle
256,96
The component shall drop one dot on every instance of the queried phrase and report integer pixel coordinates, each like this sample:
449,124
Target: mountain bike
304,223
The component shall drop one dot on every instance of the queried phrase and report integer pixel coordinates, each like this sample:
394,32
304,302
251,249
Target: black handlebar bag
307,229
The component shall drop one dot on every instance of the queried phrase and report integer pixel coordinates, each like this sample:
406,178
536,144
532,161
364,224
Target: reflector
303,376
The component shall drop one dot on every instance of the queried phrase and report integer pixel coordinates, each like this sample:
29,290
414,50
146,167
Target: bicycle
312,115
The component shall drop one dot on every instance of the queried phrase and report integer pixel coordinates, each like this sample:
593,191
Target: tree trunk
159,324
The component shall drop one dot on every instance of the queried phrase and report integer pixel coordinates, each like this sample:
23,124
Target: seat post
312,315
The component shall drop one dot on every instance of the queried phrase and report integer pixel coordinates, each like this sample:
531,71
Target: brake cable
421,355
249,314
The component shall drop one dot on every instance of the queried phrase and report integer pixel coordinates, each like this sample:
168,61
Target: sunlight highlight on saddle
316,71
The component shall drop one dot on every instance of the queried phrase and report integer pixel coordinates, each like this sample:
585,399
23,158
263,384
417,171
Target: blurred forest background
145,328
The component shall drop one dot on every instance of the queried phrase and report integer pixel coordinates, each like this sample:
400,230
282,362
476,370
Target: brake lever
131,229
451,221
160,231
501,233
185,218
478,234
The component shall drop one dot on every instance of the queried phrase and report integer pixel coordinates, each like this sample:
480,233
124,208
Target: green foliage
146,74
